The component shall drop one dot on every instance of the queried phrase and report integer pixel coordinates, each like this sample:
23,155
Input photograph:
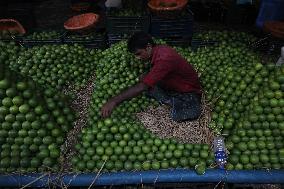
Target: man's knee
187,110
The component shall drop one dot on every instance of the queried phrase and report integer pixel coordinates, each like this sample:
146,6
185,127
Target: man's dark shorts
185,106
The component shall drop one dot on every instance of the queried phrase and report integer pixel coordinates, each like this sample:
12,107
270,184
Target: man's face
144,54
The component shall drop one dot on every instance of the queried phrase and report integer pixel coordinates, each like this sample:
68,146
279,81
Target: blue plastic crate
181,26
270,10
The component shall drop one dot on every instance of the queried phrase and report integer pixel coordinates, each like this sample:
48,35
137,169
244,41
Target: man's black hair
139,40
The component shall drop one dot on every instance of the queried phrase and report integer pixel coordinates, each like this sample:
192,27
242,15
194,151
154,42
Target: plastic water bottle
220,152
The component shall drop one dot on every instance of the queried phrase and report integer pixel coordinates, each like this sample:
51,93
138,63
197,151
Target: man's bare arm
127,94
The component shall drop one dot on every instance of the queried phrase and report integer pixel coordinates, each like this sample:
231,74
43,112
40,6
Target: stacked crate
121,23
94,40
175,31
48,37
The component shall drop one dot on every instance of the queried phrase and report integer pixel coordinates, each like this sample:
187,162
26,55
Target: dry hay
158,121
80,105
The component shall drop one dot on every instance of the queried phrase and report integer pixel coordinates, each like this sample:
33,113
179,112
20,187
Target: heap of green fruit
9,52
53,66
226,76
121,142
257,140
8,34
127,13
43,35
246,97
88,37
230,37
248,103
34,122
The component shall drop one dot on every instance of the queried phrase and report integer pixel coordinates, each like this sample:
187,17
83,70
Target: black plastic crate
180,41
12,38
115,38
27,41
89,38
127,24
198,43
39,43
180,26
97,41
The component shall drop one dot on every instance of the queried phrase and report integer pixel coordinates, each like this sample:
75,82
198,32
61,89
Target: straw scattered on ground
80,105
158,121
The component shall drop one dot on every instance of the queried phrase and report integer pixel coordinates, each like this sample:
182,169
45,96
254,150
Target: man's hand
127,94
141,77
107,108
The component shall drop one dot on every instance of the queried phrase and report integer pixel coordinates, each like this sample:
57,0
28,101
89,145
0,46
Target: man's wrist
115,101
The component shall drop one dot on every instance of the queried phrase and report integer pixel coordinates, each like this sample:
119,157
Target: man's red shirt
172,72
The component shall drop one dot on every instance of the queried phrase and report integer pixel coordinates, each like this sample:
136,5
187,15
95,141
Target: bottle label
220,156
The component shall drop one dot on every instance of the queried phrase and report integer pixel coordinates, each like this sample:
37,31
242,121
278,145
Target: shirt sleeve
159,71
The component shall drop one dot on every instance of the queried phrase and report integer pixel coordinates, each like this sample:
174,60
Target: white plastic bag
281,58
113,3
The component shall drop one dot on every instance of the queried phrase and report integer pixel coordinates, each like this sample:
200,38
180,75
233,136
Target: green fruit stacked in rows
121,142
44,35
117,71
238,38
247,104
85,37
34,122
9,52
9,34
257,142
128,13
56,66
226,73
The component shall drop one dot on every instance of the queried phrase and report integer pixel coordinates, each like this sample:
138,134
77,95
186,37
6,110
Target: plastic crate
198,43
181,26
179,41
13,38
127,24
39,43
90,41
270,10
115,38
33,42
